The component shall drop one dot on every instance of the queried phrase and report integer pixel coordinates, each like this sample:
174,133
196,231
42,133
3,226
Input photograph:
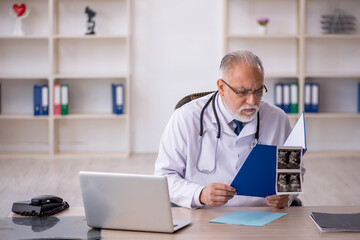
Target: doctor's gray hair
243,57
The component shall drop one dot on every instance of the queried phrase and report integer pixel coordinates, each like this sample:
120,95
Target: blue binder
307,97
37,100
279,95
315,97
45,100
286,97
118,98
358,97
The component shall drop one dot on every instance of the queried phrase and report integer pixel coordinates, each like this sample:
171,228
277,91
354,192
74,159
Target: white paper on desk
297,136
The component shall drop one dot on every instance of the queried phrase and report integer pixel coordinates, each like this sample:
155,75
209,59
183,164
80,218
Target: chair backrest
191,97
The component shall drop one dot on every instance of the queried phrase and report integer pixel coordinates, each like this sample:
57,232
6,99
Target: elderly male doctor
200,169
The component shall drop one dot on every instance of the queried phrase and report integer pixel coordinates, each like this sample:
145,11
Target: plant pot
262,29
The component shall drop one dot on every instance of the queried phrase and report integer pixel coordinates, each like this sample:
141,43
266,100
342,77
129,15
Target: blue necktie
239,127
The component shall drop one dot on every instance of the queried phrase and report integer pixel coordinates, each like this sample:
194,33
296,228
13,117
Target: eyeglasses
257,93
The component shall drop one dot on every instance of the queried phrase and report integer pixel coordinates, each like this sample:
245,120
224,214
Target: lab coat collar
225,119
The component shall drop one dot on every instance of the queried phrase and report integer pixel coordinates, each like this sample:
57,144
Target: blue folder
257,176
45,100
358,97
314,97
118,98
37,100
279,95
286,97
307,98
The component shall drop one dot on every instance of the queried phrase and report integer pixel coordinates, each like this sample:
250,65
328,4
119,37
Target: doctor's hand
277,201
217,194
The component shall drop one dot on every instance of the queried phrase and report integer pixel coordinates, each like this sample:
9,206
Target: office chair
295,203
191,97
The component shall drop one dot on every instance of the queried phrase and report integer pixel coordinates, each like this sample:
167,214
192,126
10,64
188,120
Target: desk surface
295,225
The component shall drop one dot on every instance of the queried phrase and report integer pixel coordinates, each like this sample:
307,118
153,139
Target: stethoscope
212,100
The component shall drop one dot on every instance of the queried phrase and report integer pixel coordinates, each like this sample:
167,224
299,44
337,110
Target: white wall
177,48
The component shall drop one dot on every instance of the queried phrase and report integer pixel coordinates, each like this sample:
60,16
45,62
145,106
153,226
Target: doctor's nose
251,99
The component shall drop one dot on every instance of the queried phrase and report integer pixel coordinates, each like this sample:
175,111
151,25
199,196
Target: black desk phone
40,206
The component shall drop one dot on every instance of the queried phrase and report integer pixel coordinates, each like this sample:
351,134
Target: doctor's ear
220,86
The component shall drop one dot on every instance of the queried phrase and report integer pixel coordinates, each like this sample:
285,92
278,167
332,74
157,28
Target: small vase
262,29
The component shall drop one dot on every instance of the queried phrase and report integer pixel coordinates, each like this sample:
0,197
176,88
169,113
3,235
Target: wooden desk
295,225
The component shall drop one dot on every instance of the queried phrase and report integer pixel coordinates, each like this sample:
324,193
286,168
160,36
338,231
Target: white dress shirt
182,151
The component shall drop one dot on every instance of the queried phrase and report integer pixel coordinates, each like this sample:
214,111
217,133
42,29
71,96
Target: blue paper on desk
248,218
257,176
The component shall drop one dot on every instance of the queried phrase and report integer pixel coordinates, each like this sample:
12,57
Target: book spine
279,95
45,100
294,98
113,96
64,99
358,97
57,100
37,100
315,97
118,98
286,97
307,99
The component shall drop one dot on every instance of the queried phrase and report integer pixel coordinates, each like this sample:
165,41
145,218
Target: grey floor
331,178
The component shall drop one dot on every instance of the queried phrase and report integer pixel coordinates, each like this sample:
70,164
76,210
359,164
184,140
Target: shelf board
81,37
332,75
23,116
332,115
90,76
24,38
24,77
92,116
90,155
281,75
332,36
24,155
267,36
68,155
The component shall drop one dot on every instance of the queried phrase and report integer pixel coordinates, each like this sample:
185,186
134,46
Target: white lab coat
180,147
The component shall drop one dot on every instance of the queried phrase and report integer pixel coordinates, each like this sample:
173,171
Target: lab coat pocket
206,161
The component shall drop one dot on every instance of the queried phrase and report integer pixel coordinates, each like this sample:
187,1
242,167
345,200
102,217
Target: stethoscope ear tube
202,115
212,98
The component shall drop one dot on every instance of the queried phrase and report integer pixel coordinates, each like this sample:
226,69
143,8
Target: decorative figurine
19,12
90,22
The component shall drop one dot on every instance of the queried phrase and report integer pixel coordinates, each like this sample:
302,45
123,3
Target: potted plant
262,25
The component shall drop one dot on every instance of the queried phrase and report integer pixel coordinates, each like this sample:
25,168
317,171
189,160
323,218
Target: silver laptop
128,202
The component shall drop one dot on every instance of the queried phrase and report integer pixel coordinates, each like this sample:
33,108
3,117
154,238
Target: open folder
268,170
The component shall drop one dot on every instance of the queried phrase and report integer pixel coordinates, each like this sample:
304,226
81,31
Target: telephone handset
40,206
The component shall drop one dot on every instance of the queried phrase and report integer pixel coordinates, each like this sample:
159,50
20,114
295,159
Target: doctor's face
241,91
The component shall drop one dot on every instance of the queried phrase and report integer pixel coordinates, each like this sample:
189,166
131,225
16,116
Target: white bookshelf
296,50
59,51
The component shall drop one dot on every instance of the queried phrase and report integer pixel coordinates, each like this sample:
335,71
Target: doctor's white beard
236,114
